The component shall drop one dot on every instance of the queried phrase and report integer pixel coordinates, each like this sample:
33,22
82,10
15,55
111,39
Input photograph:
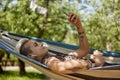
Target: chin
46,52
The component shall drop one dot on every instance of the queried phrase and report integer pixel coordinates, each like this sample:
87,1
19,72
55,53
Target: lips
42,47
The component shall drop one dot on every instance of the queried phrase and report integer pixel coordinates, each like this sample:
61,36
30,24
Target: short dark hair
25,50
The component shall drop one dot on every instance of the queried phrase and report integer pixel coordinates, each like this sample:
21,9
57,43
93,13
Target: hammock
8,42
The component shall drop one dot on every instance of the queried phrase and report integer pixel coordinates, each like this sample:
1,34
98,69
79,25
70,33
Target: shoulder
50,60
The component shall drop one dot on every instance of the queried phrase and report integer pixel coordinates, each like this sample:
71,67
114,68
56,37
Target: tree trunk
8,55
41,30
1,70
21,67
1,56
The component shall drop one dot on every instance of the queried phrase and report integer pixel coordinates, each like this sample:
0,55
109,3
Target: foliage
13,75
102,28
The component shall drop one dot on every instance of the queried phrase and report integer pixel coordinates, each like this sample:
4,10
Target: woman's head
33,49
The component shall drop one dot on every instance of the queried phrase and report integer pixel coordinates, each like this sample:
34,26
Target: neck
40,59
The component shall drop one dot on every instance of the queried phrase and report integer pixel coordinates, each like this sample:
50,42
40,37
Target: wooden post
21,67
1,56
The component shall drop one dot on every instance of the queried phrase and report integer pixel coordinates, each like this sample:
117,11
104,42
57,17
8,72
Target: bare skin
83,42
98,58
70,66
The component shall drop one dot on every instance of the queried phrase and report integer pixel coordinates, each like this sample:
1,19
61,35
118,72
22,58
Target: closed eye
35,44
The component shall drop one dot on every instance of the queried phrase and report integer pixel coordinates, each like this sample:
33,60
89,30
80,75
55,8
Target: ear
29,55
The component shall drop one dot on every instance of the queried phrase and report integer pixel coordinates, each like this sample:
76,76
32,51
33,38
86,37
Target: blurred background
100,20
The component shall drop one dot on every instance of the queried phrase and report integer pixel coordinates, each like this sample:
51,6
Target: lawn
14,75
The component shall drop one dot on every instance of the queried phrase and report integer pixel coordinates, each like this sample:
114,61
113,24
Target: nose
45,44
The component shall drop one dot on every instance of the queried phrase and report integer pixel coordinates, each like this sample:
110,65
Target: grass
14,75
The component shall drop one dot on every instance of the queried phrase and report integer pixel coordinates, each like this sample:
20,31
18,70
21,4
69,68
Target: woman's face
37,48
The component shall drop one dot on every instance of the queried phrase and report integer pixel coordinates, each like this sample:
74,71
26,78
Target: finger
74,18
92,57
96,52
70,15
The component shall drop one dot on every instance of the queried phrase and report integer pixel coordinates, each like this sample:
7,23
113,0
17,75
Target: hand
74,19
98,58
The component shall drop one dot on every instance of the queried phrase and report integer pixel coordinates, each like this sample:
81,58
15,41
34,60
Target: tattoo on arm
81,35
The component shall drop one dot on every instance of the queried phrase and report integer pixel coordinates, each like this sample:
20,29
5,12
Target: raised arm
83,42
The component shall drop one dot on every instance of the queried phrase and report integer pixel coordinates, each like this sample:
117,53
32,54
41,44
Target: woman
70,63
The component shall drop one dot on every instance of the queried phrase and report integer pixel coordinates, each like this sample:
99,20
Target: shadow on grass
15,75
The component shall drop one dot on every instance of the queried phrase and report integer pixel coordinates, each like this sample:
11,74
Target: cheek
35,50
44,51
40,52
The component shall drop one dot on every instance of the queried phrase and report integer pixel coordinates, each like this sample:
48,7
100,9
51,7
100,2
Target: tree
104,26
1,56
21,20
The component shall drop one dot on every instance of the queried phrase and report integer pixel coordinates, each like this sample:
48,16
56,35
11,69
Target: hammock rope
73,47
